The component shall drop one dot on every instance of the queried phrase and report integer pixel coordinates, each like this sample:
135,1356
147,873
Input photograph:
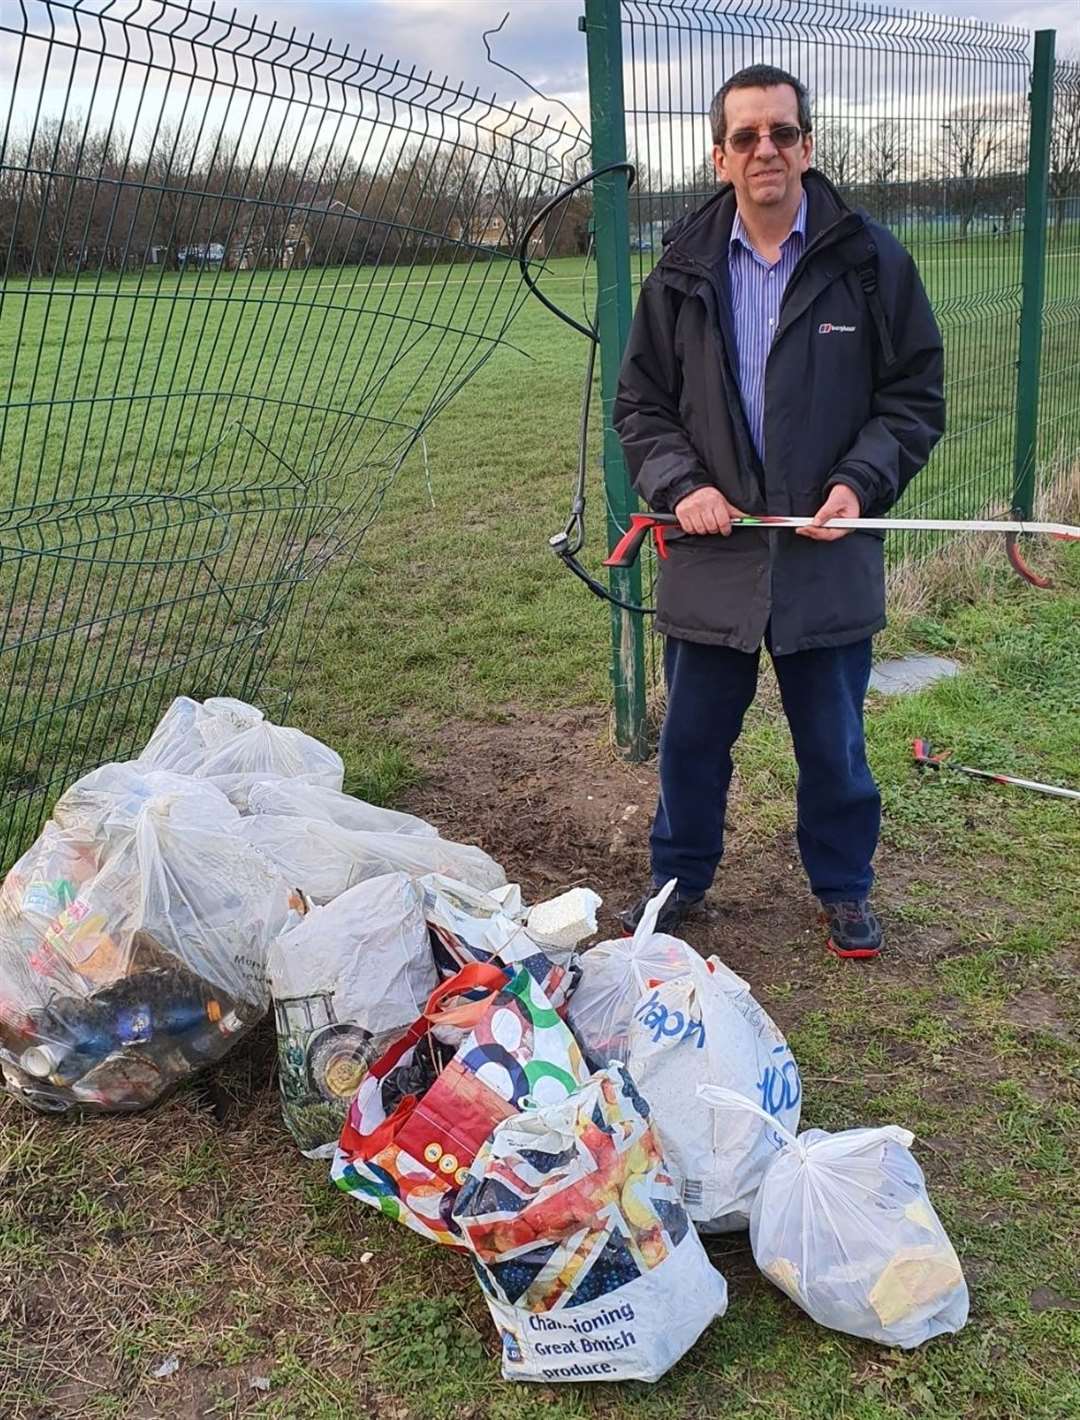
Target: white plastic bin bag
844,1225
614,977
346,981
706,1027
588,1261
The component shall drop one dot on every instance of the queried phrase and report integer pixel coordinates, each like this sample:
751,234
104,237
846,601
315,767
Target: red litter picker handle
660,525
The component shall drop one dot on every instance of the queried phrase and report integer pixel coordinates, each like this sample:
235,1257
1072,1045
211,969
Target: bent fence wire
1059,394
923,120
241,275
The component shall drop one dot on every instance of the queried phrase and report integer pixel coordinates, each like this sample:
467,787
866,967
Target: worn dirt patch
551,800
1039,1011
1045,1299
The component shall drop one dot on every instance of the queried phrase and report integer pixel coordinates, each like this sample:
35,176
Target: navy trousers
709,689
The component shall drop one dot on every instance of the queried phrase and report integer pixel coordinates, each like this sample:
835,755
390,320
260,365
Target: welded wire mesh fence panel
241,273
1059,394
920,119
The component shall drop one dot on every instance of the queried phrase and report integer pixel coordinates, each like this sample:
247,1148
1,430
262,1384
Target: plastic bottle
160,1010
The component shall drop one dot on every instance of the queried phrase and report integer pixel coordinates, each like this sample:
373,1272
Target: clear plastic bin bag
235,745
844,1225
300,798
345,981
325,860
190,731
129,963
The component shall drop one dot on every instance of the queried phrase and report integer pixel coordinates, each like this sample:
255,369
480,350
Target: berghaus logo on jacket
826,328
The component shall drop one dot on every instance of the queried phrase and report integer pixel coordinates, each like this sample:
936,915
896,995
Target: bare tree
515,187
974,145
71,198
837,152
1065,140
880,158
167,164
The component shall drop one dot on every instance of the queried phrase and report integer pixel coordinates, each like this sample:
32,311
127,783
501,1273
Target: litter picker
664,527
927,759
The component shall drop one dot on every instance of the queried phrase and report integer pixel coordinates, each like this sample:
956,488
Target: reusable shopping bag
588,1261
706,1027
347,981
416,1124
467,925
844,1225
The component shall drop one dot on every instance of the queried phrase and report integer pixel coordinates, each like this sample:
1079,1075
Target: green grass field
463,673
266,411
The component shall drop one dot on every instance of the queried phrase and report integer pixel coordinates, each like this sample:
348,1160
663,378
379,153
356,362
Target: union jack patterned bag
589,1264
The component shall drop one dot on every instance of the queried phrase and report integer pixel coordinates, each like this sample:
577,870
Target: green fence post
603,37
1033,275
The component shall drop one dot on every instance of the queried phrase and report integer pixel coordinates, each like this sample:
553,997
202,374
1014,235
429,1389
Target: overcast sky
541,38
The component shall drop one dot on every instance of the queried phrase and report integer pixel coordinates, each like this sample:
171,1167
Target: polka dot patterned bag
416,1124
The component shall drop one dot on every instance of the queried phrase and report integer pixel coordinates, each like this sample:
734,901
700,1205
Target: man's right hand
706,510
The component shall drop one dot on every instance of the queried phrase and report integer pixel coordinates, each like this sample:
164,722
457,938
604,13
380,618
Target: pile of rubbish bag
572,1119
136,932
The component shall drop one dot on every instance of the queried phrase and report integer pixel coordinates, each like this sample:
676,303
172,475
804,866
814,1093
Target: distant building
327,223
490,230
202,254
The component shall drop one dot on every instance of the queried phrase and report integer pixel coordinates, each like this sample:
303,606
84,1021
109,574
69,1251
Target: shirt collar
738,231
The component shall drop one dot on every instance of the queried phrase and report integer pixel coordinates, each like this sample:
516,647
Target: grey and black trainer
672,915
854,930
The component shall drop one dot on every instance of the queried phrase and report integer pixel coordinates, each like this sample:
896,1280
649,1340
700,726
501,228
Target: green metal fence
1059,394
925,121
240,273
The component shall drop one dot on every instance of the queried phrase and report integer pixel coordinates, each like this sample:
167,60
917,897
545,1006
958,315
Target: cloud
540,38
444,38
1060,15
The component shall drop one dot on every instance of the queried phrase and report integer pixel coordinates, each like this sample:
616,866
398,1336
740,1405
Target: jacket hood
697,236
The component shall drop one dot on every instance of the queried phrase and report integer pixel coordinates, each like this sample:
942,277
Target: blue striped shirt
756,292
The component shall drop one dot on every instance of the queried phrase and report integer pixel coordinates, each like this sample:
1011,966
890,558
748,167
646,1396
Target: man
783,359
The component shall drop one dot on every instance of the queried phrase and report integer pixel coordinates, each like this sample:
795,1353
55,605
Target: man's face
766,176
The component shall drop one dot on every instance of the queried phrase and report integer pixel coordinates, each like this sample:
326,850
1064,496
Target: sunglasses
745,140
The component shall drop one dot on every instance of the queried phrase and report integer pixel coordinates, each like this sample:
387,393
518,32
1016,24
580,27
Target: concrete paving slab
911,673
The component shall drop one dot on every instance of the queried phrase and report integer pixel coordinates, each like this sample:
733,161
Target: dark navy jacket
853,395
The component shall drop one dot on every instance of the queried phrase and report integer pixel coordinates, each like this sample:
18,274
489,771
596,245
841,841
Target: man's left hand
842,502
